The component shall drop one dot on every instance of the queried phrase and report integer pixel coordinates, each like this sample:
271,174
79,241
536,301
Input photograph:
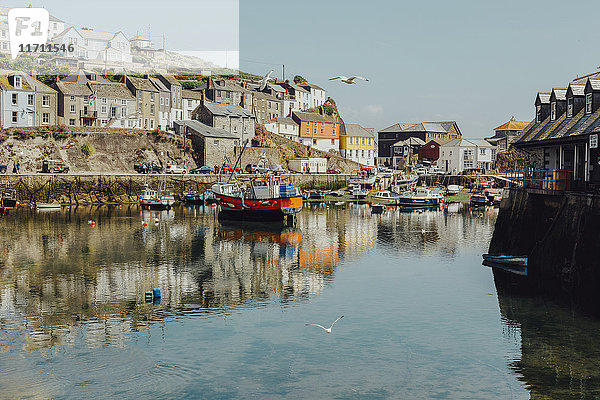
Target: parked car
148,168
334,171
202,170
54,166
278,169
228,169
175,169
255,169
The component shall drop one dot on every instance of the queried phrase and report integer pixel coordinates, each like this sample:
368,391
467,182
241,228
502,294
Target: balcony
88,114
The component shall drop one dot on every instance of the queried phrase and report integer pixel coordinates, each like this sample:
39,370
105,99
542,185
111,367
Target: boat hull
417,202
274,209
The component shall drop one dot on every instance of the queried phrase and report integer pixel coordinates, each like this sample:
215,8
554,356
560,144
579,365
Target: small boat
420,197
506,259
194,197
377,208
48,206
403,183
494,196
359,193
156,199
478,199
453,189
316,195
364,177
9,199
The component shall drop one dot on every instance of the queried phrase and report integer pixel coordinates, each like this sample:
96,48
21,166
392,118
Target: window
103,122
72,121
332,141
151,124
30,99
588,103
315,130
152,109
45,118
322,131
113,112
167,102
314,141
307,130
86,99
14,99
162,101
570,107
72,108
334,124
104,100
538,113
151,96
14,117
124,102
18,82
333,130
103,109
468,164
46,101
553,110
123,112
216,142
72,98
482,152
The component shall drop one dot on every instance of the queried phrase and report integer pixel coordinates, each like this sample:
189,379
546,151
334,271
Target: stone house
234,119
211,145
147,96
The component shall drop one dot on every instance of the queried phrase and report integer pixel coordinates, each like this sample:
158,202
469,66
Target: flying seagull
327,330
349,81
263,82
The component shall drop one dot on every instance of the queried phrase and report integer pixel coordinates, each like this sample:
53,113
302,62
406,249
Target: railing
89,114
553,180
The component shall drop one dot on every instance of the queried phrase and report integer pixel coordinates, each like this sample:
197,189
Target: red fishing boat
266,199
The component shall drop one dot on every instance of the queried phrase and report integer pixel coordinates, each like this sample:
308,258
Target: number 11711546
45,48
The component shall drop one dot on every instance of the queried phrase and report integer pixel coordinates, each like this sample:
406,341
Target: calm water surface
422,316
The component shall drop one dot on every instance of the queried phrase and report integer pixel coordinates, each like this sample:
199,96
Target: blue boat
513,264
420,197
194,197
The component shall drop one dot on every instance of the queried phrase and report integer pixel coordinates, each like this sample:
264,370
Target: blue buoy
156,293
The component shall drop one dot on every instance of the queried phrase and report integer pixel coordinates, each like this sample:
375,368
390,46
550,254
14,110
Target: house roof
158,84
356,130
577,89
462,142
111,90
141,84
276,88
139,37
311,85
227,110
559,94
594,83
397,127
190,94
309,116
208,131
512,125
84,76
265,96
411,141
284,120
544,97
5,83
170,79
73,89
96,35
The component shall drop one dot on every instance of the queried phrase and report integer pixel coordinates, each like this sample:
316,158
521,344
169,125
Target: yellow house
358,144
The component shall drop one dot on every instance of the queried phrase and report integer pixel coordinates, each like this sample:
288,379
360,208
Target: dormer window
588,103
553,111
18,84
538,113
570,107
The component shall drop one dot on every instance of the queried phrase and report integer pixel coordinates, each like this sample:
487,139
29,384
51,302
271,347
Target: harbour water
422,318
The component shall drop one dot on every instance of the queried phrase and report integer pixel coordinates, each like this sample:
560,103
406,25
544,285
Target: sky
476,62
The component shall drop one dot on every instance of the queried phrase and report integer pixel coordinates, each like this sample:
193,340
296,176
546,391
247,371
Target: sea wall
560,234
124,188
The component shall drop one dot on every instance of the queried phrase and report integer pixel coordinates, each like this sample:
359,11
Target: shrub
87,149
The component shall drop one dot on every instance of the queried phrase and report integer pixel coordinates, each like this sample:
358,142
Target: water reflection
559,348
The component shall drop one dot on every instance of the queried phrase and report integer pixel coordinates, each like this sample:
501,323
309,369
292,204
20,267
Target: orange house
319,131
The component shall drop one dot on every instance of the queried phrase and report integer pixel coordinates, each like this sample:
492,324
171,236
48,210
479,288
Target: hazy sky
476,62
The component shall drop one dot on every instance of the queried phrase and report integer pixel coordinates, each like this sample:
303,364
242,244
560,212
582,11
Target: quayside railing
543,179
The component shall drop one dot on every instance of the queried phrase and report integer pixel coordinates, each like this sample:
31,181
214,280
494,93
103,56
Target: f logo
27,26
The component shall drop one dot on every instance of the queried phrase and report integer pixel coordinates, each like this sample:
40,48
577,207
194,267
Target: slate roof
594,83
397,127
577,89
311,85
357,131
309,116
285,120
208,131
73,89
191,94
83,76
544,97
5,84
141,84
411,141
559,94
111,90
227,110
265,96
462,142
158,84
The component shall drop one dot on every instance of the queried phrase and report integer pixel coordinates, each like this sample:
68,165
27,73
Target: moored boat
494,196
364,177
420,197
9,199
156,199
377,208
478,199
384,197
267,199
359,193
194,197
403,183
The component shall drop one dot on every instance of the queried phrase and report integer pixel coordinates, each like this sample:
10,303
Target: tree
299,79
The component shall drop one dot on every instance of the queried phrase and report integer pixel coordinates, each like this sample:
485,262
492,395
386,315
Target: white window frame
588,103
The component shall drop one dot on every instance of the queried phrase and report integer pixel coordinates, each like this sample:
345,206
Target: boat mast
238,160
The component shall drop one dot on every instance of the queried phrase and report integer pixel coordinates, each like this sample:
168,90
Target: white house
461,154
95,45
317,95
55,27
140,42
286,127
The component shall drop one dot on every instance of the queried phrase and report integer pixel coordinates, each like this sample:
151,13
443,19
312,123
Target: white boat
385,197
453,189
365,177
359,193
420,197
156,199
403,182
48,206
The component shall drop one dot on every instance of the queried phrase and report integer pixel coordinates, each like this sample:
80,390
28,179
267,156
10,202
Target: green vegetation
87,149
299,79
46,71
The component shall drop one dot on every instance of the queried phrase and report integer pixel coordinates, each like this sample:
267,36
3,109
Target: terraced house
148,101
358,144
319,131
25,101
563,137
